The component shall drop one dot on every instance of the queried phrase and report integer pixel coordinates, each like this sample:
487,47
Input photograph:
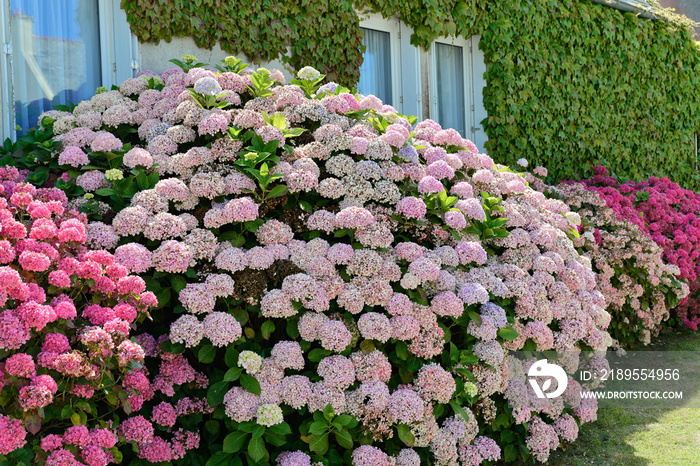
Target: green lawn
641,437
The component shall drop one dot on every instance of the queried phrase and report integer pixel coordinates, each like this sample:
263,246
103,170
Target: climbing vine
261,30
571,84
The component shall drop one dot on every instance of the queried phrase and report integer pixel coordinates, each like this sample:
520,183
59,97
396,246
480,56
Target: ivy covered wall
571,84
578,85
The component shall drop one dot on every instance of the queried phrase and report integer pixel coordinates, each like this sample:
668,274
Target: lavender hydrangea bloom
207,86
328,87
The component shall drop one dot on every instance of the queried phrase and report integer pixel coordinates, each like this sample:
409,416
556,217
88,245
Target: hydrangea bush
639,287
340,285
668,215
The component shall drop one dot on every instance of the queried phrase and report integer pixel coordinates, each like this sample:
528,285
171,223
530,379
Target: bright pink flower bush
668,215
337,283
67,317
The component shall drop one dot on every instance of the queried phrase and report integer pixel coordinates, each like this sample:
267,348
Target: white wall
155,57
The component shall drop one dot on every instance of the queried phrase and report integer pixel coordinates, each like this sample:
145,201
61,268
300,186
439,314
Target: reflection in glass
375,72
450,87
56,55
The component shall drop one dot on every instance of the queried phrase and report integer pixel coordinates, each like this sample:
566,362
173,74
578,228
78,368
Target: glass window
56,55
449,70
375,72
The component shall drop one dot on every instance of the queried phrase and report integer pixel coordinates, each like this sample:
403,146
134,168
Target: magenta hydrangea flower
374,326
334,336
221,328
20,365
293,458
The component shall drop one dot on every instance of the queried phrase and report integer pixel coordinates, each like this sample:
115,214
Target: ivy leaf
170,347
66,411
317,354
510,453
178,282
305,206
104,192
474,316
281,429
402,350
231,358
277,191
32,422
258,431
328,412
318,428
367,346
454,353
346,420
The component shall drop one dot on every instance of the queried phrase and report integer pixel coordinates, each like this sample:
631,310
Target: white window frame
467,73
378,23
118,52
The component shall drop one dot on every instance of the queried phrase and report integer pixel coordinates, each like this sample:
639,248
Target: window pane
56,58
450,87
375,72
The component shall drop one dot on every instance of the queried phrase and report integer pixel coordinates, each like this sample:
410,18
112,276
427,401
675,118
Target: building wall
689,8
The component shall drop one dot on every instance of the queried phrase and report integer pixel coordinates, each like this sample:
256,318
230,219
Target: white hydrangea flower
573,218
250,361
470,389
114,174
522,162
308,73
269,415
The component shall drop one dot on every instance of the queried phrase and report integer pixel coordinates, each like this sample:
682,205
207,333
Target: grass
643,436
